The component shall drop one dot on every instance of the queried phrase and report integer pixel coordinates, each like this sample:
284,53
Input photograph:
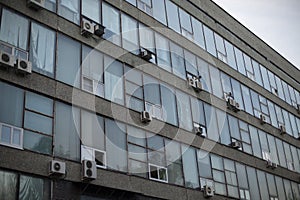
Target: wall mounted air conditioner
262,119
200,130
89,170
191,82
208,191
24,66
233,105
87,27
271,164
145,54
236,144
146,117
298,108
36,4
99,30
57,168
7,58
282,129
198,87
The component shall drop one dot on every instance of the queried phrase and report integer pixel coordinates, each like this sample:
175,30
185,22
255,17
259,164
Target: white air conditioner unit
200,130
24,66
271,164
233,105
99,30
198,87
208,191
146,54
7,58
262,118
146,117
89,170
36,4
191,82
236,144
57,168
282,129
87,27
298,108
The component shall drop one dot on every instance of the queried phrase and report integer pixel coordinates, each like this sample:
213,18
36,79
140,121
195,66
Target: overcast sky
277,22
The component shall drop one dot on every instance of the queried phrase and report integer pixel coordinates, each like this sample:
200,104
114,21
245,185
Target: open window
158,173
99,156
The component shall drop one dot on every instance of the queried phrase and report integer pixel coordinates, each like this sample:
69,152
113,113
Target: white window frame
88,153
11,136
157,169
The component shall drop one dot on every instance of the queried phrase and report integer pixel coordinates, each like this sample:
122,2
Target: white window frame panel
88,153
95,85
158,168
12,128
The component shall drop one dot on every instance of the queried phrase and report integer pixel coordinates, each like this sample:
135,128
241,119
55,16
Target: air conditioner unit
87,27
274,165
236,144
6,59
57,168
199,130
208,191
145,54
24,66
89,170
271,164
99,30
233,105
298,108
191,82
36,4
262,118
146,117
198,87
282,129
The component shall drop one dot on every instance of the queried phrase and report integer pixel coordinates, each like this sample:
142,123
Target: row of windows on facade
179,20
31,124
242,182
42,54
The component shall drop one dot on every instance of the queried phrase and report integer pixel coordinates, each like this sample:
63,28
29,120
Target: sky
276,22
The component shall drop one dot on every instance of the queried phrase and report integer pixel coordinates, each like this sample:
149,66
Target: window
226,83
177,60
230,55
158,173
134,89
223,126
11,136
190,63
50,5
174,162
38,123
253,185
280,188
129,33
262,183
92,71
114,87
204,165
216,82
186,25
265,78
243,181
15,33
163,52
69,9
286,92
169,104
279,88
33,188
247,99
249,68
145,5
190,167
159,11
111,22
147,40
240,61
218,174
198,32
280,151
67,127
8,181
172,16
209,40
91,9
245,137
231,178
68,61
257,74
184,110
211,122
221,52
42,49
237,93
273,85
255,141
137,153
11,98
203,69
116,150
273,149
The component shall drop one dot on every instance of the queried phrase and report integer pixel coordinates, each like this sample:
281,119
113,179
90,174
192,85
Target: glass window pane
282,160
252,178
111,21
247,99
223,126
242,176
91,9
114,87
211,122
255,141
217,162
280,188
209,40
11,98
162,52
203,69
37,142
190,167
39,103
265,78
50,5
237,93
67,140
271,185
36,122
8,182
31,188
234,127
15,33
172,16
190,63
184,110
159,11
175,175
42,49
116,145
169,104
215,79
68,61
230,55
240,61
273,149
147,38
151,90
198,32
177,60
257,74
136,136
204,165
155,142
262,183
69,9
129,33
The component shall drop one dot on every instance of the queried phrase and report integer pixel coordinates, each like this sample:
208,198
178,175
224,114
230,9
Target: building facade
143,99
